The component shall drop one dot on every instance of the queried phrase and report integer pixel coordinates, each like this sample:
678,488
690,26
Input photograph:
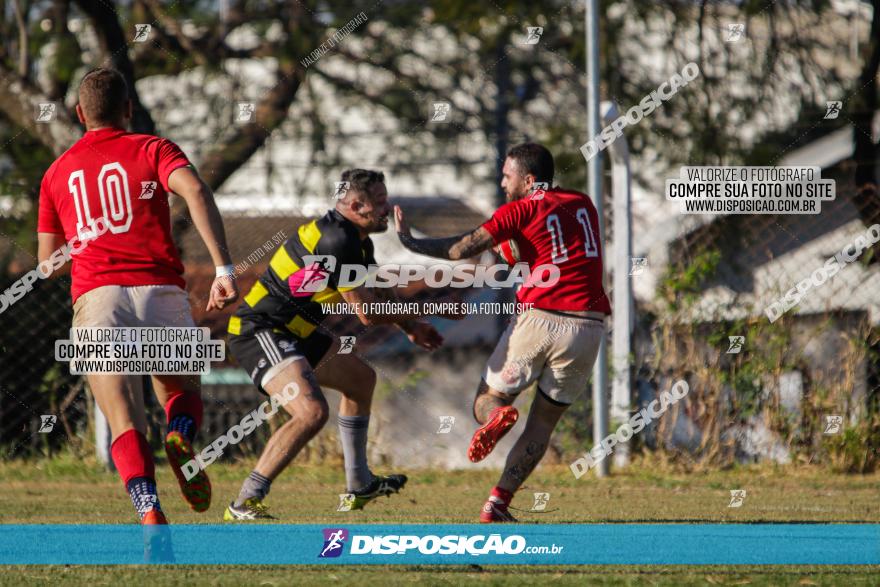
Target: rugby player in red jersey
556,340
110,192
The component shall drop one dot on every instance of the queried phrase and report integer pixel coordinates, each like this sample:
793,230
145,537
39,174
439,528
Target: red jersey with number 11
121,177
556,227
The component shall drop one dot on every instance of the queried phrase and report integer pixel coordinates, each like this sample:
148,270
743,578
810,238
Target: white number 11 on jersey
559,254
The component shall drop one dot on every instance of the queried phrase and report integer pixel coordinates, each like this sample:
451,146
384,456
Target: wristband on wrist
222,270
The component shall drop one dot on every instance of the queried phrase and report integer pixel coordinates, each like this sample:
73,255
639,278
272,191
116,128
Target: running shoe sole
488,435
197,491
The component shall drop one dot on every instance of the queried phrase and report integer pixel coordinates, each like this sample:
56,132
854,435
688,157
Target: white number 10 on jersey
115,200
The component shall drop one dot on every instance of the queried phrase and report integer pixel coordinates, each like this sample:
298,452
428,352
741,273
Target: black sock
184,424
144,495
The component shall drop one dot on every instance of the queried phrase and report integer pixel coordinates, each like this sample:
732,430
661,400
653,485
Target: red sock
184,403
504,495
184,412
132,456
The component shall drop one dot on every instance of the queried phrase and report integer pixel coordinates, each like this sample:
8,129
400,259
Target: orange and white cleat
157,538
154,518
500,421
196,491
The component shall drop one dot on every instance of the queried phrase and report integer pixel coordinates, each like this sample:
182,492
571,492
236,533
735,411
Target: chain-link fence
775,330
35,389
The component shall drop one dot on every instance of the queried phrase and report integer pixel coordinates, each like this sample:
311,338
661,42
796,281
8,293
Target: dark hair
103,95
361,180
534,159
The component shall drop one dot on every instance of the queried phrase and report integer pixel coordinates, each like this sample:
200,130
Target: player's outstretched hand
224,291
400,222
426,336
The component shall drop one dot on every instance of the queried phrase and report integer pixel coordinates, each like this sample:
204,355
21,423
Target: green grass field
66,490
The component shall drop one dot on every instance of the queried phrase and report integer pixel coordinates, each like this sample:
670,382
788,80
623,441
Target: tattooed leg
487,400
532,444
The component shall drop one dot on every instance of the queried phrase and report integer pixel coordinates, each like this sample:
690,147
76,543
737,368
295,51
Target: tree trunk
19,101
104,16
865,152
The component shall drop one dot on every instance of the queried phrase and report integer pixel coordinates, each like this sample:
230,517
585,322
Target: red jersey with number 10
556,227
121,177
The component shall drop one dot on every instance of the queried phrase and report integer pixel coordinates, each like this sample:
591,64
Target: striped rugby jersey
303,274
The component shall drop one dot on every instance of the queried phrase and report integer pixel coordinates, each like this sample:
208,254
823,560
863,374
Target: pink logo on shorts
511,373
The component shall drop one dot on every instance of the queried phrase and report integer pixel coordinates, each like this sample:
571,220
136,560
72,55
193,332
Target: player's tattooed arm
454,248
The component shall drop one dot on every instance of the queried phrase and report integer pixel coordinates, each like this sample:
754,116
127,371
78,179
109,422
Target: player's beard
381,225
514,196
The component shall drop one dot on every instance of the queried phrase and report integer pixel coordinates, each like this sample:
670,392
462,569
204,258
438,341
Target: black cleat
378,487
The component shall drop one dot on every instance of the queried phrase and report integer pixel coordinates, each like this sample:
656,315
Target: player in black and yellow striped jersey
276,335
290,294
